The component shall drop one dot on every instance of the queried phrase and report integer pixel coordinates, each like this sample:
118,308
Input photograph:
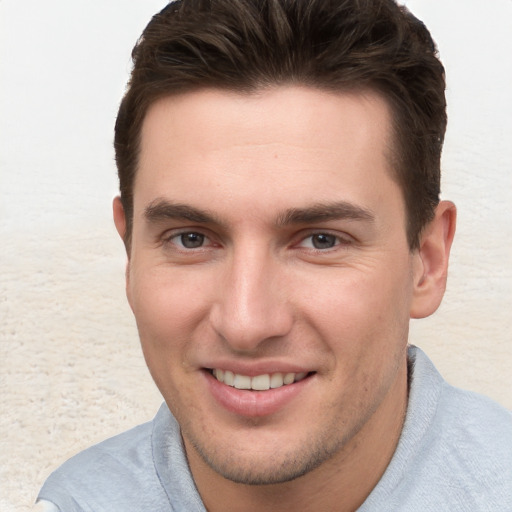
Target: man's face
269,249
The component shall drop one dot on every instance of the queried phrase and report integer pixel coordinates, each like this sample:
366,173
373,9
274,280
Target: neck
341,483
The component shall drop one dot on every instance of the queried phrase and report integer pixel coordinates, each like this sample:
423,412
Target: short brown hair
334,45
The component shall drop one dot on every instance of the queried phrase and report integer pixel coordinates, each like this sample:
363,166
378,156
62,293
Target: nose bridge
252,305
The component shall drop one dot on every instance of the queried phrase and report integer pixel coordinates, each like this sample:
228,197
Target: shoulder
455,451
117,471
472,428
479,428
142,469
117,453
453,411
468,453
463,453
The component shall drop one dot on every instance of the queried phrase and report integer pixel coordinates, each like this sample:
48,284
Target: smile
262,382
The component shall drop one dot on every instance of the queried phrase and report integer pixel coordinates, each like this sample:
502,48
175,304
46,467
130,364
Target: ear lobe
431,265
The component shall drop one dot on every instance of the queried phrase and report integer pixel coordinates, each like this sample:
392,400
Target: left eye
320,241
190,240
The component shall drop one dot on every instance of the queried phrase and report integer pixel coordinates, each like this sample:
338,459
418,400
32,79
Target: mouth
257,396
262,382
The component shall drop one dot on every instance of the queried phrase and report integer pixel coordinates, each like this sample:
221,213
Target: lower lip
254,404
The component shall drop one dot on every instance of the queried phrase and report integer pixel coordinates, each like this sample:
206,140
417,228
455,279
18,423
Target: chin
274,466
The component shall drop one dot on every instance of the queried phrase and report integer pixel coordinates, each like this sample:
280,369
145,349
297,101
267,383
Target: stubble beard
280,468
283,465
336,439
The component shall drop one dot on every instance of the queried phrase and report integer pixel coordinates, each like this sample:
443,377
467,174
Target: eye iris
192,240
323,241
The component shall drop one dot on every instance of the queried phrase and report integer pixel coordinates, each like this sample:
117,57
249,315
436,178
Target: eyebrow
162,209
322,212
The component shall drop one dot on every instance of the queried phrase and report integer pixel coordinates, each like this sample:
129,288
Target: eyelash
170,239
338,241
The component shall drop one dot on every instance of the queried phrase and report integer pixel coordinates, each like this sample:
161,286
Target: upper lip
253,369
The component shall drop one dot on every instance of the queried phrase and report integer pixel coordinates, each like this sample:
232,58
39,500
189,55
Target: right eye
321,241
188,246
188,240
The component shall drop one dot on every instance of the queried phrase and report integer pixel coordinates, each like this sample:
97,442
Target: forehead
268,115
311,142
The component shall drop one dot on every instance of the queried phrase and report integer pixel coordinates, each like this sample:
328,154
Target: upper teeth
259,382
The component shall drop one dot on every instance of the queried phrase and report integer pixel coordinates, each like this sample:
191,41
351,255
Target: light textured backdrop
72,372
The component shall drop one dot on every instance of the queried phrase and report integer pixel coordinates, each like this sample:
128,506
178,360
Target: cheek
165,298
168,314
170,310
361,309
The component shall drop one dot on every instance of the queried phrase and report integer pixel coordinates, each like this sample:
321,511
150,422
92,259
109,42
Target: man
279,174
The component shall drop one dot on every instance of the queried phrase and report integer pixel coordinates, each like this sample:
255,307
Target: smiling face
269,251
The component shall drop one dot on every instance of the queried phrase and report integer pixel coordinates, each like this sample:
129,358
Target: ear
119,217
431,261
120,223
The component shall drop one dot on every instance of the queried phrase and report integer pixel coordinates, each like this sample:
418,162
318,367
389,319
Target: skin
299,259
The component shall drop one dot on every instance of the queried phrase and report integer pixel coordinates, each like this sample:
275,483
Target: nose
252,304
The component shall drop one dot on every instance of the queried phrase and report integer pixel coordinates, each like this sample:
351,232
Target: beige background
71,369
